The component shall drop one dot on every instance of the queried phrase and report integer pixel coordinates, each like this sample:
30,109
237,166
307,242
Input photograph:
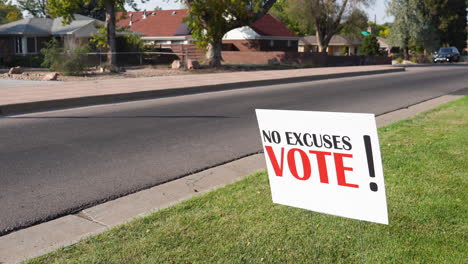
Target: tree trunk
321,42
110,24
213,53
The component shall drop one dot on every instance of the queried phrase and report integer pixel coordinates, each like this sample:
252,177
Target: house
28,36
166,27
339,45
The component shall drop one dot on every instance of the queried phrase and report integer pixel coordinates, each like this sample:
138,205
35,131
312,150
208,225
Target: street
58,162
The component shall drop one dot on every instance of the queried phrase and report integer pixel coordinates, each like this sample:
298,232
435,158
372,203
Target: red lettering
340,169
305,164
322,164
274,162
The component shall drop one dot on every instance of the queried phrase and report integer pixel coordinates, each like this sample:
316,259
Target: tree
370,46
66,9
210,20
37,8
449,17
356,23
330,17
413,24
294,17
9,12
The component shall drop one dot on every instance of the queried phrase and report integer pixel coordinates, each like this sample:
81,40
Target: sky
376,10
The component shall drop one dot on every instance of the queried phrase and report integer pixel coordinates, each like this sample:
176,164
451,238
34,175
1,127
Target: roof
383,42
270,26
336,40
161,23
45,26
166,23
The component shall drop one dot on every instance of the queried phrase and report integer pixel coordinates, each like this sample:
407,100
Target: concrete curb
43,238
122,97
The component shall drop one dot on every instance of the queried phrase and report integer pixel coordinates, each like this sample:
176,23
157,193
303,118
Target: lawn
426,168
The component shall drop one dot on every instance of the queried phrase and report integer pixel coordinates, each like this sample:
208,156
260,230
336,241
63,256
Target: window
19,45
31,44
289,43
272,43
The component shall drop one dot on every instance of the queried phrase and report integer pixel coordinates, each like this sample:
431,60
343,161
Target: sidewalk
39,96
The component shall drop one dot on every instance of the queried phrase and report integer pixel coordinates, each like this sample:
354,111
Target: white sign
325,162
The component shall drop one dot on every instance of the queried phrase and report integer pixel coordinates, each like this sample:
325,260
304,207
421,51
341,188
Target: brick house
166,27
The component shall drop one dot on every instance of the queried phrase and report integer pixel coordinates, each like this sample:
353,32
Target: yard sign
325,162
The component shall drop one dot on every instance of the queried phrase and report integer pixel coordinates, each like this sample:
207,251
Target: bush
414,59
344,51
399,60
26,61
370,46
68,63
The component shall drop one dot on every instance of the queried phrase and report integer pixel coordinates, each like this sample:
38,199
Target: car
450,54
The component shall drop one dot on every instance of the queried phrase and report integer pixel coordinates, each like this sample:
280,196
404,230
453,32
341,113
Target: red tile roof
270,26
164,23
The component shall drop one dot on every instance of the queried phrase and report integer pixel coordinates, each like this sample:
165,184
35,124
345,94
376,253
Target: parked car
450,54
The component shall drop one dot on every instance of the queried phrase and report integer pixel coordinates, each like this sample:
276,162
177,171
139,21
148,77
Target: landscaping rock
50,76
15,70
193,64
177,64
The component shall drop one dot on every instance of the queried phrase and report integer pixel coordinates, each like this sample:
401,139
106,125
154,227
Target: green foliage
428,23
66,8
370,46
450,20
69,63
9,12
294,17
210,20
399,60
414,59
30,60
37,8
52,55
128,42
344,51
356,22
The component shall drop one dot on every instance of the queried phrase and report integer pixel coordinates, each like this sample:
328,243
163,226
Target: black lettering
308,142
336,142
327,141
298,138
347,143
316,143
288,138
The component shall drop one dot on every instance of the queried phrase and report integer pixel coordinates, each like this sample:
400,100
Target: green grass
425,164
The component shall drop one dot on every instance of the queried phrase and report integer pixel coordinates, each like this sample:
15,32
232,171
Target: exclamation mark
370,162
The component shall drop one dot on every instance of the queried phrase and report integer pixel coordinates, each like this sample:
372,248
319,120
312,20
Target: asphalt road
57,162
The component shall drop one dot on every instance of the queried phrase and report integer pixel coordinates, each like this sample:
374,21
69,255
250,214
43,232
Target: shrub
30,60
370,46
414,59
344,51
399,60
69,63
